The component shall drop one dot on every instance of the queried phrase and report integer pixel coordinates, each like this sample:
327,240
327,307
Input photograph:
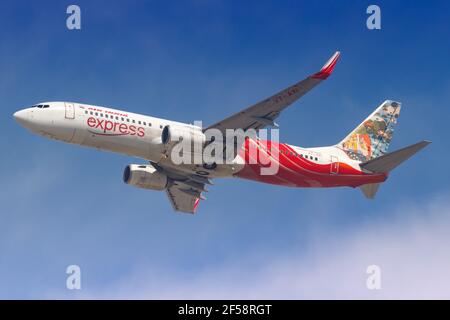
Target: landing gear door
70,110
334,168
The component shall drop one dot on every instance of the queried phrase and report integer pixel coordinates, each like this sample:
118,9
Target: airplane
359,160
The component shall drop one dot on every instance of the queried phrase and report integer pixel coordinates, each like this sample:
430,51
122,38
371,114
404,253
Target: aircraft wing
265,112
185,190
183,198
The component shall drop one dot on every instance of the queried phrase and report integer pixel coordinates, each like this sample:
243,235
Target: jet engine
172,135
145,176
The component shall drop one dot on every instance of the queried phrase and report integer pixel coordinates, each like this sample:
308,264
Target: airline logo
111,128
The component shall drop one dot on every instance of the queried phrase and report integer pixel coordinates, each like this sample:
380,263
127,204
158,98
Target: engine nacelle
172,135
144,176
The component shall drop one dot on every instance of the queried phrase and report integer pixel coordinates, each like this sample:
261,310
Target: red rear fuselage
298,168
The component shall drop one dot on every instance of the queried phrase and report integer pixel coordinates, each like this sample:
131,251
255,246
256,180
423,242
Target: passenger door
70,110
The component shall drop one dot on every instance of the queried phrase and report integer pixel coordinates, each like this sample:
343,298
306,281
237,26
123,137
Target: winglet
197,201
327,69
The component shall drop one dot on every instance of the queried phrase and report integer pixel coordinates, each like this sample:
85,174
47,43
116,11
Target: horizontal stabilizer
389,161
370,189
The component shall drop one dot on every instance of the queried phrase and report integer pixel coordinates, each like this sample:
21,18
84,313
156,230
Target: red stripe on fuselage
295,171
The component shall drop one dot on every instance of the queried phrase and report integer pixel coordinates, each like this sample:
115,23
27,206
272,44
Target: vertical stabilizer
372,137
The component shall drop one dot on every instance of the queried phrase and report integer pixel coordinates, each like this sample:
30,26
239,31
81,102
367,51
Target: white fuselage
97,127
108,129
140,136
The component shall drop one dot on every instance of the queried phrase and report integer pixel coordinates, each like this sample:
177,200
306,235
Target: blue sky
204,60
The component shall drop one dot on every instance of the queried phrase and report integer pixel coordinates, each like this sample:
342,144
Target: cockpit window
45,106
41,106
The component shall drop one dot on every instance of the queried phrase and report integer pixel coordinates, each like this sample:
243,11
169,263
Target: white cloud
411,247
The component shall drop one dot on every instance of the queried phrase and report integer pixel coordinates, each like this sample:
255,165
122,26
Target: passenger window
149,124
101,115
117,118
144,123
160,126
134,121
128,120
317,159
86,112
96,114
123,119
106,116
139,122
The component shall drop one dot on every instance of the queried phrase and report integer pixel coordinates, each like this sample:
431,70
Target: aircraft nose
22,117
19,115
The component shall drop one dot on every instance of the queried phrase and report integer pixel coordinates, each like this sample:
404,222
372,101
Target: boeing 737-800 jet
359,160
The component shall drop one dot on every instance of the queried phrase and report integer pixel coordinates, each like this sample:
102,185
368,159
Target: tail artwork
369,143
372,137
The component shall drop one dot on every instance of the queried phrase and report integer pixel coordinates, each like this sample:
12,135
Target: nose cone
23,117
